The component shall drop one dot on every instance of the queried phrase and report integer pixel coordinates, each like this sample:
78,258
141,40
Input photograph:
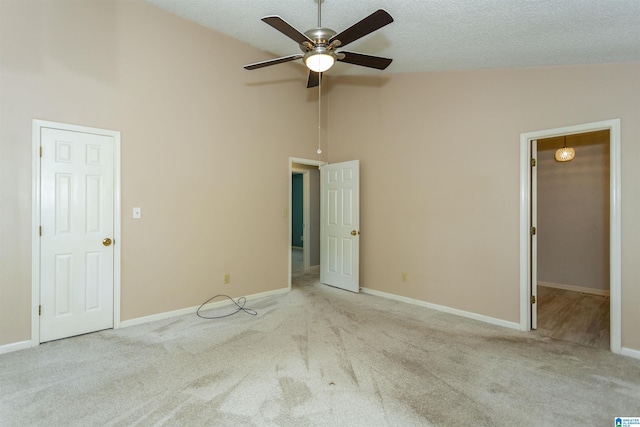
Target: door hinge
532,231
39,310
40,230
533,299
533,163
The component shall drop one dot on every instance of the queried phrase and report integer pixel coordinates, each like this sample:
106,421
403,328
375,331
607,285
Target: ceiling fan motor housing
320,37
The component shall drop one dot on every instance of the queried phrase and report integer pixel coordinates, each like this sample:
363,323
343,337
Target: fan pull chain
319,151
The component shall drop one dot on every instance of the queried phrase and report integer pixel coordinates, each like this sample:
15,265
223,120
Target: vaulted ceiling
439,35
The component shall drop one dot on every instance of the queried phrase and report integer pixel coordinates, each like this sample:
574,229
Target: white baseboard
15,346
630,353
593,291
445,309
191,310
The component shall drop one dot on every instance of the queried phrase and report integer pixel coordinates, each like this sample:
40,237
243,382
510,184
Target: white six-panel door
77,216
340,225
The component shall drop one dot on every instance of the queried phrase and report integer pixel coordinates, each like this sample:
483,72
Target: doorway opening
528,224
570,209
304,221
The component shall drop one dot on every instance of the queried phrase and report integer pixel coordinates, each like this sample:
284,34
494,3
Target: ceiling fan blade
364,60
275,61
314,79
371,23
285,28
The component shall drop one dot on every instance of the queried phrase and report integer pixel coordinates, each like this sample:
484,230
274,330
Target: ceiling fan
319,45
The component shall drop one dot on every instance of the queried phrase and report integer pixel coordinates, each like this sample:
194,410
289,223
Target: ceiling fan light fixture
319,60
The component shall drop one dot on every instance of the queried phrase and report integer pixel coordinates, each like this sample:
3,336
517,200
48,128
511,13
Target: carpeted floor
313,357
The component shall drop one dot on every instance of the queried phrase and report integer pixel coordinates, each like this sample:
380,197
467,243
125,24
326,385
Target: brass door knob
354,232
107,242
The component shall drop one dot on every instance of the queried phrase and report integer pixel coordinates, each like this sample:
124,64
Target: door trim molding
615,254
35,219
300,161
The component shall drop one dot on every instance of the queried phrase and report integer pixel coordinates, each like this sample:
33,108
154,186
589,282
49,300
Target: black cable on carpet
239,304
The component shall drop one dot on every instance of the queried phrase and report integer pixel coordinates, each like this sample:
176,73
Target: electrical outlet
404,277
227,279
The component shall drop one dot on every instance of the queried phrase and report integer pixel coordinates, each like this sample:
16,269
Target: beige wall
190,118
439,159
440,175
573,212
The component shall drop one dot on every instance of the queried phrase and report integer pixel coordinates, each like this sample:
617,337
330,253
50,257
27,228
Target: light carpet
317,356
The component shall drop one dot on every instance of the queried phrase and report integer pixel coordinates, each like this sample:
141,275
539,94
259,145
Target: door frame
308,162
37,126
615,254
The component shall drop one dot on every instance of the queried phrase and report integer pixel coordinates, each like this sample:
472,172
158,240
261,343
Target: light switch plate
137,213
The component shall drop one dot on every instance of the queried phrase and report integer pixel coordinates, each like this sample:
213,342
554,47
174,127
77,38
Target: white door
340,225
533,235
77,219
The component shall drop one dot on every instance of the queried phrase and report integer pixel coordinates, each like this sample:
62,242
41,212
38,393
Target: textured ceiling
438,35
